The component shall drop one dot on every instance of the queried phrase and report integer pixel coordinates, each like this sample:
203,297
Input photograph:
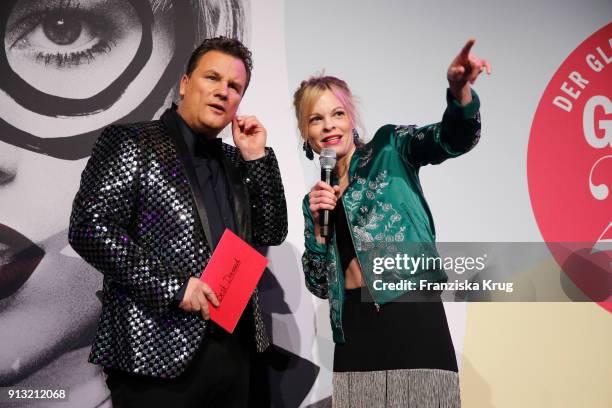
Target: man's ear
183,85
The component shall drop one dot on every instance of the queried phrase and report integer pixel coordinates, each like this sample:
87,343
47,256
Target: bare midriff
353,278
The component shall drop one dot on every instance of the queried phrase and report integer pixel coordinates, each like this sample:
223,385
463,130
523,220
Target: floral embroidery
376,220
317,271
307,234
335,315
402,131
366,156
317,268
379,182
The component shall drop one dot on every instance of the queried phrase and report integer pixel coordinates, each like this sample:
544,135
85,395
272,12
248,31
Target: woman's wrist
462,94
317,233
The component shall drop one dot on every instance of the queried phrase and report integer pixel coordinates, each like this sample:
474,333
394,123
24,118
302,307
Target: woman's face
329,126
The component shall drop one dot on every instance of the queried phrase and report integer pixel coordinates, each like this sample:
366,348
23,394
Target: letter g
588,122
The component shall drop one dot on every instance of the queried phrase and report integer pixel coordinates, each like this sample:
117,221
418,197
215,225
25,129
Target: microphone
327,158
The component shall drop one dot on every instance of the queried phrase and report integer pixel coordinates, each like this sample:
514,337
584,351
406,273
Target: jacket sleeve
314,259
267,198
100,215
457,133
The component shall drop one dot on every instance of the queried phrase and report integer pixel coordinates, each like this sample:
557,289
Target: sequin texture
135,221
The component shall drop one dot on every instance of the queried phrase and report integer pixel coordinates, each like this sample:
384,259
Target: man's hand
463,71
249,137
197,296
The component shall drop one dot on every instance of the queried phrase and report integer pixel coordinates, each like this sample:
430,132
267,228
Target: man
41,160
154,200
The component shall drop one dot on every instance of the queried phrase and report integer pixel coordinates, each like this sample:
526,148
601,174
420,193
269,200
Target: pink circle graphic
569,166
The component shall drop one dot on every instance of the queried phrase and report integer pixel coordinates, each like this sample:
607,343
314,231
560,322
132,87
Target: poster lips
18,259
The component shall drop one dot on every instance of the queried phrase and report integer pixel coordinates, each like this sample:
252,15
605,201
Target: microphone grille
327,158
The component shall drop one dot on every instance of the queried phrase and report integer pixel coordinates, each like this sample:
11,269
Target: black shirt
343,236
206,155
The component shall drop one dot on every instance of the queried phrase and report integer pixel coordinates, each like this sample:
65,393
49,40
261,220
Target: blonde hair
309,92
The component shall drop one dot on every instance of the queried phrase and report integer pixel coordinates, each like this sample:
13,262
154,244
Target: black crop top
343,236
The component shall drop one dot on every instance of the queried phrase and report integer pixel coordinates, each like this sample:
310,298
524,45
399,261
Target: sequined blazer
385,208
139,219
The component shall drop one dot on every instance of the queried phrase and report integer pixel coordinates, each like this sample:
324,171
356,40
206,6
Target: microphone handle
325,215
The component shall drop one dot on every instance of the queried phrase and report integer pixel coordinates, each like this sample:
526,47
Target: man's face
212,93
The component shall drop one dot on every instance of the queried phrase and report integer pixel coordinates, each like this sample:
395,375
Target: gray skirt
400,355
404,388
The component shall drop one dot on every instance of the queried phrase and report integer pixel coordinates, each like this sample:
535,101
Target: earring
355,136
309,153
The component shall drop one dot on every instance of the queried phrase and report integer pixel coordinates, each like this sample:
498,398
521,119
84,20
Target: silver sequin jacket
138,218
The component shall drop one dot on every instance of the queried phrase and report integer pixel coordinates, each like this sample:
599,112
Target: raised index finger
465,51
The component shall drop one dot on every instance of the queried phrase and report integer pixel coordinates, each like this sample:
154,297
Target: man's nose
221,91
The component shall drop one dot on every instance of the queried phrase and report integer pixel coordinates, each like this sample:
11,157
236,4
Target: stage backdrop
537,173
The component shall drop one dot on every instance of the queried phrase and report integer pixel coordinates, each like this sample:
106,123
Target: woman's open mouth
18,258
331,140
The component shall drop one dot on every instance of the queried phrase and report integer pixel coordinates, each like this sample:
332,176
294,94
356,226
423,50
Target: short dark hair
229,46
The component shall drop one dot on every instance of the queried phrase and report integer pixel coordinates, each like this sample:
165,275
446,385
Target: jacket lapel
240,200
185,158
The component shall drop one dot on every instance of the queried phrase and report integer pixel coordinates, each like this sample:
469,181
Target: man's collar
207,147
198,144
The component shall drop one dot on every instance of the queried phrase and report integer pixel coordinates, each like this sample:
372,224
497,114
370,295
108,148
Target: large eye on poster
71,67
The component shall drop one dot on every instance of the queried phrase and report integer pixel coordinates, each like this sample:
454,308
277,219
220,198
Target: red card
232,273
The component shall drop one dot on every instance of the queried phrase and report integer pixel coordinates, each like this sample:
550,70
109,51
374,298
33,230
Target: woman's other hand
463,72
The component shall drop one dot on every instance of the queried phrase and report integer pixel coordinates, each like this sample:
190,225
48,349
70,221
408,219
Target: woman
387,353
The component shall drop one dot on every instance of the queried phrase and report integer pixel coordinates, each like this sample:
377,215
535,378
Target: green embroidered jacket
385,208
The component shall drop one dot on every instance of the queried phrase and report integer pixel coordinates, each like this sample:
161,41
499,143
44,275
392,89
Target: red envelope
232,273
